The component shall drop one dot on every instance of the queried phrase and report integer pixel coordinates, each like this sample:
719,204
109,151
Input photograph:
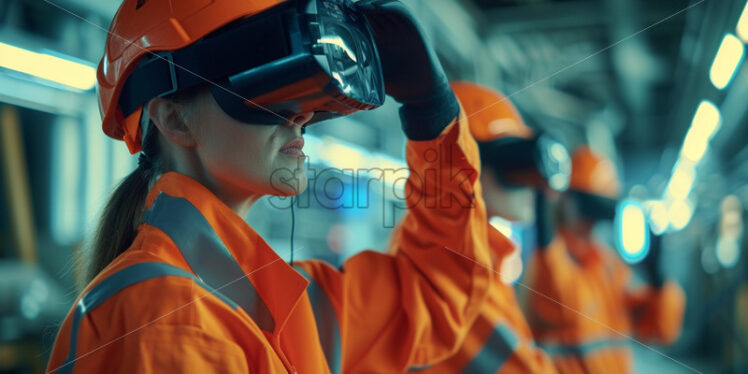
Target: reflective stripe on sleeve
582,349
498,348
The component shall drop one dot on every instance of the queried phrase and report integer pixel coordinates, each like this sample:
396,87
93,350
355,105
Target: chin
281,185
290,191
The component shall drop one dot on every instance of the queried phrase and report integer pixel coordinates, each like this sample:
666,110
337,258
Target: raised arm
414,307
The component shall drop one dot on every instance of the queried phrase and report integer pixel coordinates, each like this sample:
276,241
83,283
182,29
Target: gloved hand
651,263
545,220
413,74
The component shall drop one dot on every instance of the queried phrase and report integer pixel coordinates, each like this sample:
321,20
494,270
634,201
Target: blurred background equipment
659,87
30,300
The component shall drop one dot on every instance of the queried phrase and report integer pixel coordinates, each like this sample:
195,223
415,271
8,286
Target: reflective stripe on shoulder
207,255
117,282
583,348
497,349
327,322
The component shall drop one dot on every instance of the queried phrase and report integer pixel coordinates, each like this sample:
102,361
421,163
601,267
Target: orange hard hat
491,115
593,173
141,27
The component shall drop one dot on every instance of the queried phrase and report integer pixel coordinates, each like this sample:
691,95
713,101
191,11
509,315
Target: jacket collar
222,249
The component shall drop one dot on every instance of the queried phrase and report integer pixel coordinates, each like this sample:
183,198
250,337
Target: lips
293,148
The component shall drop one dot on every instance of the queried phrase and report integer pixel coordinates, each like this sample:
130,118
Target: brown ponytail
120,219
124,211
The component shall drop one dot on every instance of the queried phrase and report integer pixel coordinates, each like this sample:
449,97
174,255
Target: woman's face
244,158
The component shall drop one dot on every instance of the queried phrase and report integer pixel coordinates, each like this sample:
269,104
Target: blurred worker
184,284
580,307
514,162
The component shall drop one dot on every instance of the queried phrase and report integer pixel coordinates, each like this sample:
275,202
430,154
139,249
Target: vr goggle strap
594,207
510,157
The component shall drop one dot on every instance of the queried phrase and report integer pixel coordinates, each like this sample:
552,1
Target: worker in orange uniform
215,96
581,309
515,162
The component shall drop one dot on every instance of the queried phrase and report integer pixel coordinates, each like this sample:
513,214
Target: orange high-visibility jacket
500,340
582,313
199,291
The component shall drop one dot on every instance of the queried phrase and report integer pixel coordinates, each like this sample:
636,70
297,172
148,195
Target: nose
300,119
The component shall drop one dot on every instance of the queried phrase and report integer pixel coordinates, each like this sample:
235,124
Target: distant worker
581,309
514,162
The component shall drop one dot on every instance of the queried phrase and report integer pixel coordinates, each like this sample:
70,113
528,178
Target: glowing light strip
742,27
706,122
633,232
48,67
726,62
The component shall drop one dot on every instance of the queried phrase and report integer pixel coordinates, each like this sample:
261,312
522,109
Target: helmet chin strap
293,226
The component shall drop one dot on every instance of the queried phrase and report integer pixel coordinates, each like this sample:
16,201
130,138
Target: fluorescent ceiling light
633,232
727,61
742,28
48,67
658,216
681,182
680,213
727,251
705,123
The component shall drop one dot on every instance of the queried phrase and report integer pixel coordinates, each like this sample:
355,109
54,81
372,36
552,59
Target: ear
167,116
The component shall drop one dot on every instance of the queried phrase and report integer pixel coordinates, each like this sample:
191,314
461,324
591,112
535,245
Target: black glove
412,73
544,220
651,263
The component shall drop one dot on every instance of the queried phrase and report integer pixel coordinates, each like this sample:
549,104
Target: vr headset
594,207
539,162
300,56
